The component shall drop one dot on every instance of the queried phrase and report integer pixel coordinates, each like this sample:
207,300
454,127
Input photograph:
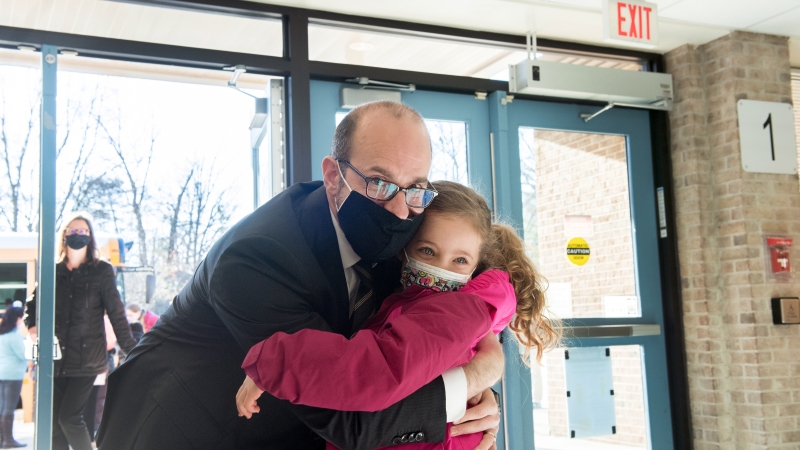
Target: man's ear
330,176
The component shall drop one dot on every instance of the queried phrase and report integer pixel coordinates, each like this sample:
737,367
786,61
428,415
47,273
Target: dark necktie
364,303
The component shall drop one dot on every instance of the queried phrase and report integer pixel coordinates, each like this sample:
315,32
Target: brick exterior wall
744,372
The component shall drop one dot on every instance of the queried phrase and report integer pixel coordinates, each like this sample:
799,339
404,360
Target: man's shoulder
279,214
277,221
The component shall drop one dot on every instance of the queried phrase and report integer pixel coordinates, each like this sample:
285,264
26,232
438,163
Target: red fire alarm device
779,262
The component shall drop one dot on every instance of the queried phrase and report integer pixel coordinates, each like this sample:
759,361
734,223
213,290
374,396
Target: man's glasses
382,190
78,231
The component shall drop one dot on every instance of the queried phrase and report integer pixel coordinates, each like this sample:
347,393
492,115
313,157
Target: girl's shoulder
495,288
491,279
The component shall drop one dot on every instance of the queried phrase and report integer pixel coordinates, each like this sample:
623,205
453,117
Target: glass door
582,194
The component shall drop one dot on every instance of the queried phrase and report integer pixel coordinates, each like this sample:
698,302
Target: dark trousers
69,399
9,396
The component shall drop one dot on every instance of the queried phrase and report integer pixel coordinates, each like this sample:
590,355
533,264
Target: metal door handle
612,331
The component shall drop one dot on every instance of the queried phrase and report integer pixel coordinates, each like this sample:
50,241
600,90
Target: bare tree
100,196
79,177
13,161
448,143
132,166
175,210
207,216
528,155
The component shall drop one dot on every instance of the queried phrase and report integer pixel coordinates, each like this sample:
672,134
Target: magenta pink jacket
414,338
150,319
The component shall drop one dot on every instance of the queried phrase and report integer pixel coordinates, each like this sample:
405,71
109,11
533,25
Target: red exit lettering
639,18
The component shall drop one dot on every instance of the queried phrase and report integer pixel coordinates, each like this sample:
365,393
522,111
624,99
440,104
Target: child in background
434,324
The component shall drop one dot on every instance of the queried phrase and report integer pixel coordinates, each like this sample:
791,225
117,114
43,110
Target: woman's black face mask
77,241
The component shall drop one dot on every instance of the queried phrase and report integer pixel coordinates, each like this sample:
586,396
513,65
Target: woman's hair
134,307
10,318
503,249
92,256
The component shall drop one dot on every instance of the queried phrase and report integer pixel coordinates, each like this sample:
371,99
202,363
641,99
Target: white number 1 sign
766,136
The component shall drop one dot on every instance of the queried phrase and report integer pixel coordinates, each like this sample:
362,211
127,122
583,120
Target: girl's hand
246,398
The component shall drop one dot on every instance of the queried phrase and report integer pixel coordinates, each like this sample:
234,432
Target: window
13,282
159,25
422,52
159,157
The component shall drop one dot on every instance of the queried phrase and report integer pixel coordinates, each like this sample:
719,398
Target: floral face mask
431,277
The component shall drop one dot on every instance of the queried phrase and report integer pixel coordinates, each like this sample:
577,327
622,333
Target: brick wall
744,372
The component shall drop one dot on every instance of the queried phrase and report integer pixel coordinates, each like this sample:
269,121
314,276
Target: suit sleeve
374,369
259,288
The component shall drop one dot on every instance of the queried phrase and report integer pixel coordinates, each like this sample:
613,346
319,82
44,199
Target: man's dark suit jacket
278,269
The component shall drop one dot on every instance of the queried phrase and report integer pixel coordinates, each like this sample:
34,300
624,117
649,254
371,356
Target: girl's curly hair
503,249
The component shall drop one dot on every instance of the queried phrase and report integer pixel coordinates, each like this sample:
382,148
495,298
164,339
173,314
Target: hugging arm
374,369
256,292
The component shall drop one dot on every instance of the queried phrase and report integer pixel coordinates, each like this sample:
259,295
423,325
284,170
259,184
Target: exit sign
632,23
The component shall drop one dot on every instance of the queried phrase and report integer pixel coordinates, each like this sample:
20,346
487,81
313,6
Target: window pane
118,20
551,415
575,197
164,164
404,50
20,92
449,147
13,273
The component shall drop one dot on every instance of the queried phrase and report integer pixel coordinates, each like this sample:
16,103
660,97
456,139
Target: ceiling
680,21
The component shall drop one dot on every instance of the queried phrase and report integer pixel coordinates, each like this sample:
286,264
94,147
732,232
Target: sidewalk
23,432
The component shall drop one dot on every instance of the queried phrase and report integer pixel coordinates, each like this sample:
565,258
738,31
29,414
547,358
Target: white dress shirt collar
349,256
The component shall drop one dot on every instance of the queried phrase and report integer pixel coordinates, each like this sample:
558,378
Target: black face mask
77,241
374,233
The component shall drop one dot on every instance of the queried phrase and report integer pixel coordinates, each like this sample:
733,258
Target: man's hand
246,398
484,417
486,367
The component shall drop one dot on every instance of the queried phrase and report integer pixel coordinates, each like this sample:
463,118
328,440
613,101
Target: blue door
583,196
556,179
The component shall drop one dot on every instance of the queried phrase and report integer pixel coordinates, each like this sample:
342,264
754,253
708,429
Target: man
316,256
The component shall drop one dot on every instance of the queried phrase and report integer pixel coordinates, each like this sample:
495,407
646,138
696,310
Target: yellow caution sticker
578,251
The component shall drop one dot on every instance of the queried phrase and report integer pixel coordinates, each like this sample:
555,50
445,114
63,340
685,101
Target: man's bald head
348,129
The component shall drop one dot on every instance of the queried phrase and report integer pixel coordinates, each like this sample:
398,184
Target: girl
415,336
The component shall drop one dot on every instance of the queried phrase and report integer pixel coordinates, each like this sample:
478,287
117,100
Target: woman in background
85,290
136,314
12,370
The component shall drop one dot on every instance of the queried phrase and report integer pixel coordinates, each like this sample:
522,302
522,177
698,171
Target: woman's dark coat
82,297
